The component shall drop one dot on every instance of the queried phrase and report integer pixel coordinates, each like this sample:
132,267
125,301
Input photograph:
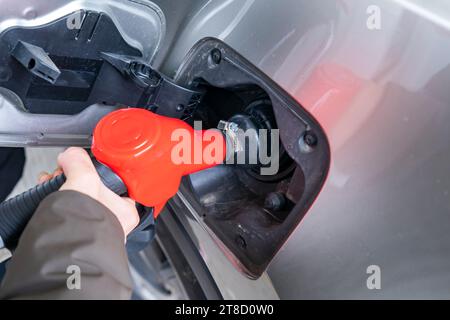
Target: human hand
81,176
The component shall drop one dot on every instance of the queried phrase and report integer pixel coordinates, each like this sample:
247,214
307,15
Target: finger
57,172
130,219
76,162
43,177
129,200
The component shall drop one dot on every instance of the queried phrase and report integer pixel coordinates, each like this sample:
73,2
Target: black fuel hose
16,212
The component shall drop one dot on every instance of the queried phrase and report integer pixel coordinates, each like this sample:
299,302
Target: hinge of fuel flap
155,91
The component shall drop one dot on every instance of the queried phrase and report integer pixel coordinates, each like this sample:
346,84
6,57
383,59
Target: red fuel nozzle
151,153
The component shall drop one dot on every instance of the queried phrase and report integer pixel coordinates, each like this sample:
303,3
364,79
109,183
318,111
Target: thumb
76,162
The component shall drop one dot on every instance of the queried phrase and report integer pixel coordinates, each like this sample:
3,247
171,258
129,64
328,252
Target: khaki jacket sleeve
69,232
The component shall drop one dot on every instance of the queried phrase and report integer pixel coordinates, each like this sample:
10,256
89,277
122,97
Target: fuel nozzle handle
16,212
137,148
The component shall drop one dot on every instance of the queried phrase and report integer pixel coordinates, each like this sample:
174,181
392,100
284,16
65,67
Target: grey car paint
381,96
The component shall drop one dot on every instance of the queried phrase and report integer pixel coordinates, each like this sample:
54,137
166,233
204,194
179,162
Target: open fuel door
251,214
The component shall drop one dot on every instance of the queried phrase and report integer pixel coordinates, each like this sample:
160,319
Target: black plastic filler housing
58,70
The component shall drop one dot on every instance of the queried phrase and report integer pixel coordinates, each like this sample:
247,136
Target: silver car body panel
130,16
381,95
